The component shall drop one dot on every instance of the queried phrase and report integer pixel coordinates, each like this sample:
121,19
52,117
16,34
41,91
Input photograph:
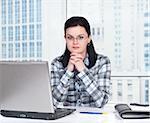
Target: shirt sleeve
98,85
59,83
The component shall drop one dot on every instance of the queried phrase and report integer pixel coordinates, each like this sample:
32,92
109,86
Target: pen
87,112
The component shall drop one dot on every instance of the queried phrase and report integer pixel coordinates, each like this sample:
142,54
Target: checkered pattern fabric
90,88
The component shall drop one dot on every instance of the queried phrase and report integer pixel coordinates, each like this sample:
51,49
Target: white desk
77,117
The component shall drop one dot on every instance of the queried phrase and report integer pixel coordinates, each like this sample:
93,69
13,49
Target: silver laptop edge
25,86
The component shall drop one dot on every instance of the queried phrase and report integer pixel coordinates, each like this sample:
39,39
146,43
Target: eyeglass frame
76,38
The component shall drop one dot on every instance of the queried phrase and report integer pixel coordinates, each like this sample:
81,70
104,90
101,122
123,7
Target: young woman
80,77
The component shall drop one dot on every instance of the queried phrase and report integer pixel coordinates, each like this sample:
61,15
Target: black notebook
127,113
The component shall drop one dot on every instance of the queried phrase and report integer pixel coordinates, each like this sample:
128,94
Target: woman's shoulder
56,60
103,58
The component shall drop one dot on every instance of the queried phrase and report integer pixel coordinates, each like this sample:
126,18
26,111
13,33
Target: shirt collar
86,60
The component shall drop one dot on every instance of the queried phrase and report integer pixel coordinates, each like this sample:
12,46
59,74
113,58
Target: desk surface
77,117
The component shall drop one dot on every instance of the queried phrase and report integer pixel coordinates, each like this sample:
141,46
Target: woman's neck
84,54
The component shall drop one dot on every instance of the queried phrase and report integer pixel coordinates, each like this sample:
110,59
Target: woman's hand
76,59
70,66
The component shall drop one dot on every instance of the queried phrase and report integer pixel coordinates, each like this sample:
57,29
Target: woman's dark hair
79,21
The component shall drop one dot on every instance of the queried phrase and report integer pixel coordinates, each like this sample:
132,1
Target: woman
80,77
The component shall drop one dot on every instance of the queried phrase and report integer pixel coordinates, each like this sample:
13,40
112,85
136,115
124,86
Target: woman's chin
76,51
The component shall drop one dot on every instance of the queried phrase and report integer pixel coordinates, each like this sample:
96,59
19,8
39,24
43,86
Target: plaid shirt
88,88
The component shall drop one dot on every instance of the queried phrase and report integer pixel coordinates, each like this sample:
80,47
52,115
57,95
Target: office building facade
21,25
28,29
33,30
118,31
146,92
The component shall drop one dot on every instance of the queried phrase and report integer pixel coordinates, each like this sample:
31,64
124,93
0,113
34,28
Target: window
24,32
10,50
24,11
98,31
3,33
24,50
31,10
3,11
119,90
39,49
39,32
17,11
10,11
93,31
17,50
31,32
31,49
4,55
10,33
38,7
17,33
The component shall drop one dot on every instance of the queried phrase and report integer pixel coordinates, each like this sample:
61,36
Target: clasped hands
76,62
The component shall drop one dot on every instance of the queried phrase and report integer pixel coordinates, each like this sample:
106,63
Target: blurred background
33,30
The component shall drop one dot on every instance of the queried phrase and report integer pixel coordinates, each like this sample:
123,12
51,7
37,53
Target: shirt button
79,101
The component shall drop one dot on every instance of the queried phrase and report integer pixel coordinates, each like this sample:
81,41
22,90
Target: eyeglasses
78,38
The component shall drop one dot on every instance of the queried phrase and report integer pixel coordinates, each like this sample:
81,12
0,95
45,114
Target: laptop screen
25,86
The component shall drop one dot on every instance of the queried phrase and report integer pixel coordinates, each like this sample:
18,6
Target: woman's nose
75,41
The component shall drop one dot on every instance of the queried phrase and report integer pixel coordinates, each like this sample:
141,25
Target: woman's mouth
75,47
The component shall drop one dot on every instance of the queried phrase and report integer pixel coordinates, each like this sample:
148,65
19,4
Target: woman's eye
81,37
69,37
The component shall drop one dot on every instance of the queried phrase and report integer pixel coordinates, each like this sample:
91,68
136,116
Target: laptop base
59,112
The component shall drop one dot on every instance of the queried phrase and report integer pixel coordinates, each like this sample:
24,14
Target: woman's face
77,39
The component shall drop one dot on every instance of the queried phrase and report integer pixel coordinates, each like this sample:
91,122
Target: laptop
25,91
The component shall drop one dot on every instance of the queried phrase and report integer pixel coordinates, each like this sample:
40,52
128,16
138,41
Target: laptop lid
25,86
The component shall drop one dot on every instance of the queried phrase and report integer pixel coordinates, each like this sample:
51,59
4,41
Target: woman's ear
89,39
65,37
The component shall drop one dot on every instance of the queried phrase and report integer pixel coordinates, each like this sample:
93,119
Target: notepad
127,113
